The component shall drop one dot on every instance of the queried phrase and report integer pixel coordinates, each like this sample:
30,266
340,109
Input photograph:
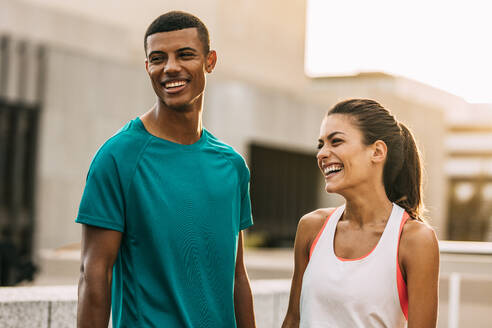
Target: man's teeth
175,84
332,168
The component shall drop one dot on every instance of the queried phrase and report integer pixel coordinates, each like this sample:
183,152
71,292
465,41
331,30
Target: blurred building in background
258,100
469,171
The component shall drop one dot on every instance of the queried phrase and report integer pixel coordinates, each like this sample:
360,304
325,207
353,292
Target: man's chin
179,106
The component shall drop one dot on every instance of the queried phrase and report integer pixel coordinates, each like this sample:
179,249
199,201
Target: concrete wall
262,42
240,112
256,40
42,23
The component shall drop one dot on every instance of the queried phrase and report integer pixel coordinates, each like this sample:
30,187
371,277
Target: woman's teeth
333,168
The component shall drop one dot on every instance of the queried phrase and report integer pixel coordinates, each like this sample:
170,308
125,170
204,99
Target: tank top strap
315,241
391,233
329,233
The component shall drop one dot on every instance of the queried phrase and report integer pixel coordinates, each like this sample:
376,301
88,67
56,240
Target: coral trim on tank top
400,282
359,258
319,233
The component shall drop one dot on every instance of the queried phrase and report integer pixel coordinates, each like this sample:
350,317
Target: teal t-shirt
180,209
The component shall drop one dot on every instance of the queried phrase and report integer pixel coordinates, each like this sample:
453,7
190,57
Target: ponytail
406,189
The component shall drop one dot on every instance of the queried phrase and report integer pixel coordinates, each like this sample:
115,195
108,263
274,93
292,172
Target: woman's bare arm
419,260
307,229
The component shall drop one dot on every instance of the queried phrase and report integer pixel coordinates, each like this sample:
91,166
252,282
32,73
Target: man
165,203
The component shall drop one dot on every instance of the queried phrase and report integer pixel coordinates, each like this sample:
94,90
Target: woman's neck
370,206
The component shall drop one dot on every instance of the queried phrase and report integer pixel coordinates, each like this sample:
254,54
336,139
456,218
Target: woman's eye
336,141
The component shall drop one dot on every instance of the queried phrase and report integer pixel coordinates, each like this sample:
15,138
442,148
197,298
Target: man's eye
187,54
320,146
156,59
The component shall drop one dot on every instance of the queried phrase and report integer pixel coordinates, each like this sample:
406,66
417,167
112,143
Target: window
284,186
19,119
470,208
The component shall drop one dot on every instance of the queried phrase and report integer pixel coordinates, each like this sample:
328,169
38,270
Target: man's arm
99,250
243,297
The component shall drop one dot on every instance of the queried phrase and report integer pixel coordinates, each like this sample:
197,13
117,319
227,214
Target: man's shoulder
226,150
124,145
125,139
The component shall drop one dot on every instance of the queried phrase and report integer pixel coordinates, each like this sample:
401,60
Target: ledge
56,306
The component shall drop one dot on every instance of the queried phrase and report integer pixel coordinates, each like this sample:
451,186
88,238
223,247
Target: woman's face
343,158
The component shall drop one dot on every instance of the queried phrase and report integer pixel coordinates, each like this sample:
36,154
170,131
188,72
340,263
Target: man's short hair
178,20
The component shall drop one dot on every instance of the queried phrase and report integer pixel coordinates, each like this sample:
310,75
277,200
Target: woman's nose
322,153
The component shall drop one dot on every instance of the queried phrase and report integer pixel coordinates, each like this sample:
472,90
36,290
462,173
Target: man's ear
146,64
211,61
379,151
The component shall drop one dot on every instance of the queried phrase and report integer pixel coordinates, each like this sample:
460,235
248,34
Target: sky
445,44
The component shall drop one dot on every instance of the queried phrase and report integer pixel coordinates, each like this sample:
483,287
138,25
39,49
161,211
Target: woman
372,262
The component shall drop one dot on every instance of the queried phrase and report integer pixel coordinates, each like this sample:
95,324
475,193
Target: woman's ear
379,151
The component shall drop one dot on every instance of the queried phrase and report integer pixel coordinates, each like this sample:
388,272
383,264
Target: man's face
176,64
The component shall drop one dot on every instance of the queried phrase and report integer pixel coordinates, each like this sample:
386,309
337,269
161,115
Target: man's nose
172,66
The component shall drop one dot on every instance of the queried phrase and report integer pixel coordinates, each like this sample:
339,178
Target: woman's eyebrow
331,135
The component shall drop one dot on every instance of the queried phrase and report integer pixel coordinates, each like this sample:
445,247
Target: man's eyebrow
187,48
157,52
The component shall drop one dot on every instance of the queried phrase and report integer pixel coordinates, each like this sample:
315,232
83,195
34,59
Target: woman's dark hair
402,172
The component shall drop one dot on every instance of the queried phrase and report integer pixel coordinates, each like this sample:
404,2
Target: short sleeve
102,203
246,217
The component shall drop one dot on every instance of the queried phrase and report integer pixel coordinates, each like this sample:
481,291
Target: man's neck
183,127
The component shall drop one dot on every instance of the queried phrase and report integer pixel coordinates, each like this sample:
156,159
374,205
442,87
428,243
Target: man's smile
174,86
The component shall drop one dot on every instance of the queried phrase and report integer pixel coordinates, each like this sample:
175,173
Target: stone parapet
56,306
40,307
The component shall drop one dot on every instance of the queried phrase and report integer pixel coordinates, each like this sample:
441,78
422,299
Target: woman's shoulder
308,228
418,232
313,221
417,238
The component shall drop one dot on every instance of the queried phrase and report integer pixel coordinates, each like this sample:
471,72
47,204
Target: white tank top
364,292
